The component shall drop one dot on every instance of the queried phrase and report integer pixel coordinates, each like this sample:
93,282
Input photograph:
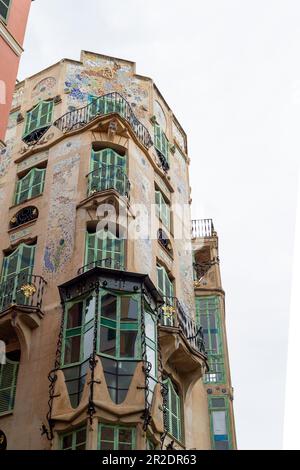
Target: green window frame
39,117
161,142
115,437
151,347
220,423
74,440
173,421
105,105
108,170
119,336
163,210
20,261
166,288
104,249
4,9
31,185
208,316
8,385
79,326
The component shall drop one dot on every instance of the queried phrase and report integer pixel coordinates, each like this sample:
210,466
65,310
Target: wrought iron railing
108,177
105,104
202,228
173,315
200,269
102,263
22,289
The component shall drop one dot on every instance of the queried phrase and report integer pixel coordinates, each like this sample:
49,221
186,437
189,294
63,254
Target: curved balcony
108,177
24,290
105,104
173,316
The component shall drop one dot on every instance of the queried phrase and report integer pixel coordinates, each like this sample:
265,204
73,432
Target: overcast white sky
230,70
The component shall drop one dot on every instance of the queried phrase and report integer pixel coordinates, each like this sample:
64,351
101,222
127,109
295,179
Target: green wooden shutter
20,261
162,209
8,384
30,185
173,411
45,116
108,248
40,116
161,142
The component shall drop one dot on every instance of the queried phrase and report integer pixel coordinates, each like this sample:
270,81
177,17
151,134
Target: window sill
6,413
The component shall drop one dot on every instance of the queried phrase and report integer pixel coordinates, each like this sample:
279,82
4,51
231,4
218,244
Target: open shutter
8,383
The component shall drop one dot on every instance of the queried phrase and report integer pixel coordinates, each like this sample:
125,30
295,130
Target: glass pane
219,422
106,445
151,357
75,315
125,435
72,350
125,446
217,403
80,447
129,308
128,343
107,433
90,309
221,445
88,340
81,436
126,367
109,306
107,341
67,441
150,327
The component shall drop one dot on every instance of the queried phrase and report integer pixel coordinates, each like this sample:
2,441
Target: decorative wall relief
62,215
44,88
179,136
17,97
12,120
33,161
5,159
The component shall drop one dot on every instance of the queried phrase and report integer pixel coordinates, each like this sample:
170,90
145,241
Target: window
39,117
151,347
79,330
75,440
104,249
208,316
162,209
164,283
108,171
161,142
116,437
16,271
8,381
172,403
106,104
30,185
4,9
119,335
219,420
118,376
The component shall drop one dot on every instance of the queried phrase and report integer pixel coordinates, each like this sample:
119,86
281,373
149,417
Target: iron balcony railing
109,263
23,289
202,228
105,104
200,269
108,177
173,315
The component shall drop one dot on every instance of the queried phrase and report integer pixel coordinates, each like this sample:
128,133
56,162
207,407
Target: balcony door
108,171
16,272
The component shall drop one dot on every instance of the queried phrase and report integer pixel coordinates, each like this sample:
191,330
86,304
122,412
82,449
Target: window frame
116,430
225,409
13,386
170,414
113,252
28,128
30,175
74,435
163,209
161,142
116,326
5,19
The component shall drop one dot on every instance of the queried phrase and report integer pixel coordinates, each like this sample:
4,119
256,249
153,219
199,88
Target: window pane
88,343
217,402
219,422
128,343
109,306
81,436
75,315
150,327
107,433
125,435
129,308
107,446
90,309
72,350
107,341
221,445
125,446
67,441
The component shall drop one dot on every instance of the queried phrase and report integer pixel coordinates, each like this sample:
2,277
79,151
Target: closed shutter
8,383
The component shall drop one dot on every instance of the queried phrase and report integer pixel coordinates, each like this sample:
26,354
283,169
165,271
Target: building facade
103,336
13,21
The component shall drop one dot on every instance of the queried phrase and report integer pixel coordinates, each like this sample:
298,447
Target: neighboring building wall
12,32
210,313
64,213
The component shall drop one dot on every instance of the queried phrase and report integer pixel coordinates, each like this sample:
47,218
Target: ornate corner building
112,342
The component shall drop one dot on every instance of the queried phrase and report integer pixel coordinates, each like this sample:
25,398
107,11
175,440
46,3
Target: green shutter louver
173,422
161,142
162,209
108,171
30,185
105,250
39,117
8,384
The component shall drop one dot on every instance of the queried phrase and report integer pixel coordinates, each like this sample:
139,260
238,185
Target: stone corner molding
10,40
